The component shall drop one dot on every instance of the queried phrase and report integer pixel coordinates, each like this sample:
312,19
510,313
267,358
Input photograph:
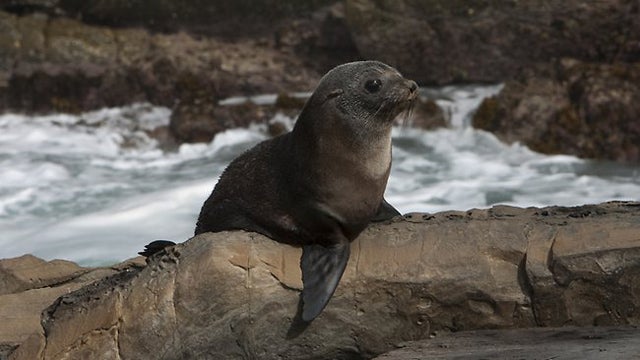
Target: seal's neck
377,157
331,135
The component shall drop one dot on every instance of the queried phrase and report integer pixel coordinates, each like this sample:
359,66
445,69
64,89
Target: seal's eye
373,85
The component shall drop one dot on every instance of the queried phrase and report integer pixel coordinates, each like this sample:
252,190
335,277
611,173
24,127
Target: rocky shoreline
471,283
570,67
232,294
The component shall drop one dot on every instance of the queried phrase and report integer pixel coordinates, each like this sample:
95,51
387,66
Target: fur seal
321,184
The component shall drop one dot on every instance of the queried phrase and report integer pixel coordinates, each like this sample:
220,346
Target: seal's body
321,184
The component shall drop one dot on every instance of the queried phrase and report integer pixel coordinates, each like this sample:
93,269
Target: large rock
233,295
28,285
585,109
443,41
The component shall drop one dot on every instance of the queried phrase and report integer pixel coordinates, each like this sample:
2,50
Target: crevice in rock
118,325
117,339
249,282
175,316
550,258
524,281
244,268
526,285
63,282
284,286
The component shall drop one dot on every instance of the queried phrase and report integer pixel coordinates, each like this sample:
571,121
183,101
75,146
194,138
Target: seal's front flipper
322,268
155,246
385,212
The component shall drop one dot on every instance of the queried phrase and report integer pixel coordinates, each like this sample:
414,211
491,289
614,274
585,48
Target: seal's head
370,92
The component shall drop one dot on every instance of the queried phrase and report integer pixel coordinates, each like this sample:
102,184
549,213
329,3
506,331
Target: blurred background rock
570,67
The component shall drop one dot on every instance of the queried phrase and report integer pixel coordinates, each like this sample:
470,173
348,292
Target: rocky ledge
233,295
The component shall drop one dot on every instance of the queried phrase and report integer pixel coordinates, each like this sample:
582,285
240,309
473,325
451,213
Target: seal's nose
413,86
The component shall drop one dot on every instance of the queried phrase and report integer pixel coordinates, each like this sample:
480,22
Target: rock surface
28,285
233,294
569,343
585,109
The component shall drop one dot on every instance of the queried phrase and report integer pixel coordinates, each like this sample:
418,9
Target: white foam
121,230
264,99
472,169
460,102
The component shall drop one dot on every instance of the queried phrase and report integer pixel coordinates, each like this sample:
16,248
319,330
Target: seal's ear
334,93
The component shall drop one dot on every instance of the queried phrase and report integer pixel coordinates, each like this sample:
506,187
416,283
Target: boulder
233,295
443,41
28,285
585,109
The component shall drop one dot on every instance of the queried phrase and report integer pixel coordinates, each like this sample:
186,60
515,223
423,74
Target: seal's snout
413,87
413,90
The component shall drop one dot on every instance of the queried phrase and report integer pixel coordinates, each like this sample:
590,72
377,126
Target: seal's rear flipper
385,212
155,246
322,268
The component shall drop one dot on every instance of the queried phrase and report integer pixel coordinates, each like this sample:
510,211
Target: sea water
95,188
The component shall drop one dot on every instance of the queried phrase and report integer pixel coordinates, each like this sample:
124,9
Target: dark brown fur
275,187
320,185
